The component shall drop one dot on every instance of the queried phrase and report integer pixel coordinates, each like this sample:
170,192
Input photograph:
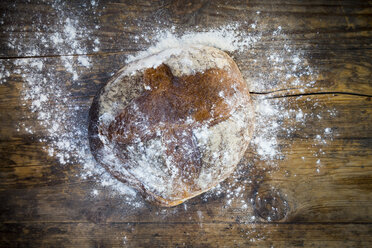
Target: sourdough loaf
174,124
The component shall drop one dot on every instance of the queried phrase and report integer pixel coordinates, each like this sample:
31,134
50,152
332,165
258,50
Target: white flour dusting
226,38
65,124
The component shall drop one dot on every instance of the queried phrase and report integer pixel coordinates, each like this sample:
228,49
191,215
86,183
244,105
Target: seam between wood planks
187,223
131,51
66,55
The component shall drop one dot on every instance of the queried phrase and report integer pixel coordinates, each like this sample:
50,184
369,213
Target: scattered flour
65,124
226,38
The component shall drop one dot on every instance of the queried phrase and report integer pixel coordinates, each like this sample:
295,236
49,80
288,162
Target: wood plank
332,195
184,235
337,25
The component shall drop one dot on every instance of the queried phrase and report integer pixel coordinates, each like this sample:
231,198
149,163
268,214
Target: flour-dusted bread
174,124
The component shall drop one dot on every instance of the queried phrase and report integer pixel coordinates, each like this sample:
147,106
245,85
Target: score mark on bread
174,124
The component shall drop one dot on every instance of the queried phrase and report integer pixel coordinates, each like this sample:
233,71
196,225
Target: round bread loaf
174,124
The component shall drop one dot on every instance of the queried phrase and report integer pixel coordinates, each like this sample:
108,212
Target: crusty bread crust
174,130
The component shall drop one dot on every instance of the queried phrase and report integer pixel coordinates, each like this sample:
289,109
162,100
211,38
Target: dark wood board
44,204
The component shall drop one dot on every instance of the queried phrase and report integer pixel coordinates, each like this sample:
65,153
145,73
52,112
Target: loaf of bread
174,124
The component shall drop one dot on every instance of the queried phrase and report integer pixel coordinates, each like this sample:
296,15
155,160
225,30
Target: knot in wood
270,205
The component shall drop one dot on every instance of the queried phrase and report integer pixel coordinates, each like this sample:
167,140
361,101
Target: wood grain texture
44,204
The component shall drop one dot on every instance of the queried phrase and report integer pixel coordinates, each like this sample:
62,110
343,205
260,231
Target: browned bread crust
170,134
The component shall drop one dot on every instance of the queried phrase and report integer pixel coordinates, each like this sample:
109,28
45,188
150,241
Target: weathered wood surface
45,204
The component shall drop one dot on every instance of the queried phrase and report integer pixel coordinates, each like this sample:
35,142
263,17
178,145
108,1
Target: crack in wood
308,94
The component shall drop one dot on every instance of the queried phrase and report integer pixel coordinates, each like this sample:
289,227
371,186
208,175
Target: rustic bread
174,124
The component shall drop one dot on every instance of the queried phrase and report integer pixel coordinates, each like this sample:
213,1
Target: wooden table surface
44,204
